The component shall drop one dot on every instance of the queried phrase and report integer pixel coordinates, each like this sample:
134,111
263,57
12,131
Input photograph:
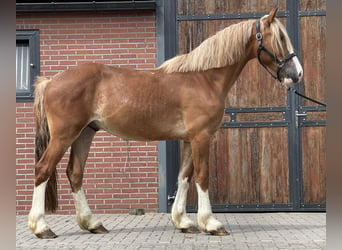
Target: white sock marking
178,213
36,221
206,220
83,214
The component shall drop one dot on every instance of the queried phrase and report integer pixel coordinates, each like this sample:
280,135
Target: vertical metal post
168,151
294,136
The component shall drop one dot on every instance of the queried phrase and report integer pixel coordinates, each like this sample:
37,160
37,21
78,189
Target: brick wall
119,175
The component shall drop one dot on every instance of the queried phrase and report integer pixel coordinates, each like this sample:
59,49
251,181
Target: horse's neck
225,77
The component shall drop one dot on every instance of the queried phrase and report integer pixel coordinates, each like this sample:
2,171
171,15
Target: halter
280,63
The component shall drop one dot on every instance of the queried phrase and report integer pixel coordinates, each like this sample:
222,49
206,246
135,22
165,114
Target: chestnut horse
183,99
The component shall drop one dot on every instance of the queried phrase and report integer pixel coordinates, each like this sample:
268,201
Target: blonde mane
225,47
279,38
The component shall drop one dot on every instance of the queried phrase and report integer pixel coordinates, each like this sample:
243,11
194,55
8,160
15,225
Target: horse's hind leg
79,153
178,213
45,169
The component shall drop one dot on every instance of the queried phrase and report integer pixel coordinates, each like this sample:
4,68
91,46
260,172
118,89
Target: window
27,63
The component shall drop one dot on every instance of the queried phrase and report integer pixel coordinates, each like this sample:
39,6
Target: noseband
280,63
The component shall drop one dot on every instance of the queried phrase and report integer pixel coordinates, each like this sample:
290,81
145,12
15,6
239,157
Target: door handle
170,198
299,115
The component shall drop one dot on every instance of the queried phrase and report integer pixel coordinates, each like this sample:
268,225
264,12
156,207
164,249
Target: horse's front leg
178,212
200,152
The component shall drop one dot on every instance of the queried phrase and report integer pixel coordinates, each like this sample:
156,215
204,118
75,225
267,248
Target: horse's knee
42,173
202,180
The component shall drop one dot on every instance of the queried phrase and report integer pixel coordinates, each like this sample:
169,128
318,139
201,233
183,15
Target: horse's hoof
48,234
190,230
218,232
99,230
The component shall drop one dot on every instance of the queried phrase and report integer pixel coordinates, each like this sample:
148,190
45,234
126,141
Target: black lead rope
305,97
280,64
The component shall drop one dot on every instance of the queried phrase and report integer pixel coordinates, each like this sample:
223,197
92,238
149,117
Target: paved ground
155,231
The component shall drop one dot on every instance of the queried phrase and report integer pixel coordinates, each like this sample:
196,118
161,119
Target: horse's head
275,51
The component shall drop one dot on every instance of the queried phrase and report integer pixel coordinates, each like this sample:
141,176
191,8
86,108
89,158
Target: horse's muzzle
292,71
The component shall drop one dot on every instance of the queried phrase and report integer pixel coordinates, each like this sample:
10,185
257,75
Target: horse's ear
272,15
267,20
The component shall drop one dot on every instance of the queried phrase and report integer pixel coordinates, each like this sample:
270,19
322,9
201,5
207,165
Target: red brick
78,57
130,190
111,38
130,201
138,185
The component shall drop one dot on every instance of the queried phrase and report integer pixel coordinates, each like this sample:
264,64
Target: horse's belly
144,130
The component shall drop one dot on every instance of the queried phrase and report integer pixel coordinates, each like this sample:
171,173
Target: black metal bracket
225,16
234,123
312,123
280,14
312,13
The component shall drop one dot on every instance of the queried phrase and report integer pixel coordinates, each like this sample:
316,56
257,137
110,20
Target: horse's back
130,103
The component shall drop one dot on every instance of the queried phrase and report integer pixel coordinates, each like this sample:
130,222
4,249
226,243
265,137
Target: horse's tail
42,140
